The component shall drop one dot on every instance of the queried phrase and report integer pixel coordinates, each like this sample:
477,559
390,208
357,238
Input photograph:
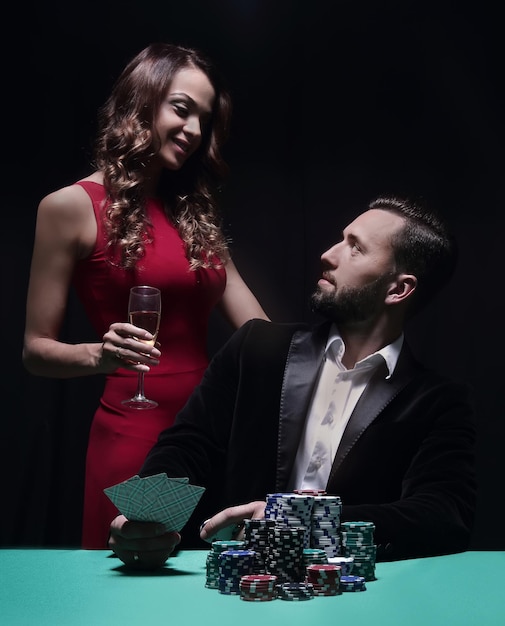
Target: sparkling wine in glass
144,311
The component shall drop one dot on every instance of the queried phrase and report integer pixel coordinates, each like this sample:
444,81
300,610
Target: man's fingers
143,545
145,553
136,530
227,524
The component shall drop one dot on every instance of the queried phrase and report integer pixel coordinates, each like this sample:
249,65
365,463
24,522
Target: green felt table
43,587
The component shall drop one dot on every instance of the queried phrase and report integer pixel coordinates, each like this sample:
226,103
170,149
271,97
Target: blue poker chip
352,583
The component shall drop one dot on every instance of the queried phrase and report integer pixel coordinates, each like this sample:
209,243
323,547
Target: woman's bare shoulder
71,197
68,211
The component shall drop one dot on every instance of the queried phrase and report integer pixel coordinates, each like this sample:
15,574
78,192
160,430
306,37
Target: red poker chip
324,567
253,589
324,573
258,578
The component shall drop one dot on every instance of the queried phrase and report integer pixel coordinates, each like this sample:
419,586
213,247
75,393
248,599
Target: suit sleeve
197,442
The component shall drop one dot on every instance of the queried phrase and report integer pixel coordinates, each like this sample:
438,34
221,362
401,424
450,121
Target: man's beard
351,305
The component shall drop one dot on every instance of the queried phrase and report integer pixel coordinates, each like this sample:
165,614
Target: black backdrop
335,102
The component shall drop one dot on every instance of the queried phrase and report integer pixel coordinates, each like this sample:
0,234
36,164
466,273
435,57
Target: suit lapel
302,366
377,395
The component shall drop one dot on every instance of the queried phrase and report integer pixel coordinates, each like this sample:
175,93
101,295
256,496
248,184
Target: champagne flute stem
140,387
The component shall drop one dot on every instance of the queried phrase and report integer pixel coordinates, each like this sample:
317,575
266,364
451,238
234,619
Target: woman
146,216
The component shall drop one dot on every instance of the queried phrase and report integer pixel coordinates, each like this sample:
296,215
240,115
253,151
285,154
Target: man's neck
362,342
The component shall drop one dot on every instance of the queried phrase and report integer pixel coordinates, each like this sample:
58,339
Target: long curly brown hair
126,141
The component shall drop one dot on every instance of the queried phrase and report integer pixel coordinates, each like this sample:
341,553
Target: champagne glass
144,311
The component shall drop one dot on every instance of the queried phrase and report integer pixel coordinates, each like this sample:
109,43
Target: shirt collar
389,354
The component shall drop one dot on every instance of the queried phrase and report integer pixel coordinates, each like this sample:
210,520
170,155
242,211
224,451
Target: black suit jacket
405,462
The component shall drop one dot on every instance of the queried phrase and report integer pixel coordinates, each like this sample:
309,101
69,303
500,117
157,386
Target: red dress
120,437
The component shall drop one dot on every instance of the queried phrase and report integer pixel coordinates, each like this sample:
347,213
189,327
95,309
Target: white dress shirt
336,393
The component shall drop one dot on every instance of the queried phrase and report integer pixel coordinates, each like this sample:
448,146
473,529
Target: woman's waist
165,369
159,384
180,360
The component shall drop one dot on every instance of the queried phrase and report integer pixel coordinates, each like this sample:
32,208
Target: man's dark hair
424,247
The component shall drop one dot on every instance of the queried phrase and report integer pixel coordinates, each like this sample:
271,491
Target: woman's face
183,115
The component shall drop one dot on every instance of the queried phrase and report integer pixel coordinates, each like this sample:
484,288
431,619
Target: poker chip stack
256,538
272,505
233,564
344,562
314,556
311,508
325,524
358,542
258,587
352,583
297,591
285,553
291,510
301,549
325,579
212,562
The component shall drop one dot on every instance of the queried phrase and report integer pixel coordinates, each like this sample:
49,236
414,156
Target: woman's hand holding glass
144,311
133,347
124,345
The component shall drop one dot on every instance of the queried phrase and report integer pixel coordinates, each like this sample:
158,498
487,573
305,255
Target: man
342,406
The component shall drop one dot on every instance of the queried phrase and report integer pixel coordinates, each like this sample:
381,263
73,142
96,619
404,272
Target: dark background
335,102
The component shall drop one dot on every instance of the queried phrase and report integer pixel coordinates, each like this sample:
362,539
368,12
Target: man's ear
401,289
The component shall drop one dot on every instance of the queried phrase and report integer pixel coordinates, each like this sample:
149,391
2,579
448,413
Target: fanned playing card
156,499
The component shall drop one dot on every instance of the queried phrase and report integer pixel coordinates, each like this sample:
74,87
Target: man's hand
229,524
144,545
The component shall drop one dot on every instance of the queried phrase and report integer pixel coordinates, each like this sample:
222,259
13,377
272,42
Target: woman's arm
65,233
238,303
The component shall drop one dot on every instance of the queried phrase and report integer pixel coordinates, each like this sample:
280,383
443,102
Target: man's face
358,270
